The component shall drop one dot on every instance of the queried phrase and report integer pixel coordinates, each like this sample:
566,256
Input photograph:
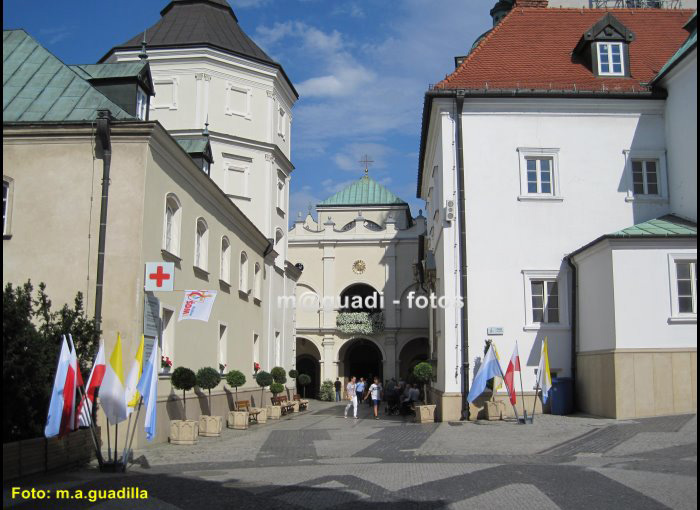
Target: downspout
461,200
104,136
574,322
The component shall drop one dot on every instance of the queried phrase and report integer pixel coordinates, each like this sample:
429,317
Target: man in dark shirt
338,386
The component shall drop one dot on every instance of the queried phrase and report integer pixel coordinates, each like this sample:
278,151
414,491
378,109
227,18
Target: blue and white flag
148,388
489,369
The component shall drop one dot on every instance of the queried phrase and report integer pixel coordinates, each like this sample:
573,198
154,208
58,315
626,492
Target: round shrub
293,374
279,375
208,378
235,378
276,388
263,379
423,372
304,380
328,391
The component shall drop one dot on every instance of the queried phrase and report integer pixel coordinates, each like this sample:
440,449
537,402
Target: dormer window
604,48
141,104
611,59
205,166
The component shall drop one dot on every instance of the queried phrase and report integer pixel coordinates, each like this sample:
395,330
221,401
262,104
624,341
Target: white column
391,362
328,319
327,359
390,286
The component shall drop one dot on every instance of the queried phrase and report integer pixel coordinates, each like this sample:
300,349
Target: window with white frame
256,348
223,347
238,101
205,166
171,230
166,93
282,123
243,273
539,174
7,185
201,244
684,286
611,59
225,260
257,281
645,177
141,104
280,193
545,300
278,349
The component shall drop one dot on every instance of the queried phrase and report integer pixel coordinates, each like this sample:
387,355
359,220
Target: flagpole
522,391
534,402
116,436
133,433
126,436
90,425
109,443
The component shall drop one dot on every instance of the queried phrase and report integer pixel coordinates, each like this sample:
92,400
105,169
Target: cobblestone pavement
318,459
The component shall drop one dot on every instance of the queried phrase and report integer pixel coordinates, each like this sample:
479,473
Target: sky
361,68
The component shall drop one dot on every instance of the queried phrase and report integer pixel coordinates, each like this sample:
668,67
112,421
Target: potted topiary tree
183,431
238,418
265,379
423,372
207,379
304,380
276,388
293,374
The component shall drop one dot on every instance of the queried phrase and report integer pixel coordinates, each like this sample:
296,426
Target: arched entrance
309,363
361,358
411,354
360,297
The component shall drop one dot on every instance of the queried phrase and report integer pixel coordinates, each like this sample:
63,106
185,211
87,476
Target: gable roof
197,23
365,191
531,49
38,87
666,227
689,45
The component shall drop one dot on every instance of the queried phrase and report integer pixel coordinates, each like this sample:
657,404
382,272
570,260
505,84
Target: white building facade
519,175
208,74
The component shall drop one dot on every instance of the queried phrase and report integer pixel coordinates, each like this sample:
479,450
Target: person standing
351,389
375,392
360,388
338,387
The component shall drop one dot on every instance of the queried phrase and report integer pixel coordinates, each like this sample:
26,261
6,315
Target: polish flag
68,416
94,382
513,366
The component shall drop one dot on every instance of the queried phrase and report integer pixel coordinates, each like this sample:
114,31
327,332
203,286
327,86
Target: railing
638,4
364,323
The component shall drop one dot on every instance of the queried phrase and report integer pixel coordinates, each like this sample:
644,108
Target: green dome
365,191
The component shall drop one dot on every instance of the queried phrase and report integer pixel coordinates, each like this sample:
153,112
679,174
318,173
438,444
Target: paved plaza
318,459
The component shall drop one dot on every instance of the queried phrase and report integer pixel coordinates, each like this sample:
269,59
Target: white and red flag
94,382
513,366
68,416
53,421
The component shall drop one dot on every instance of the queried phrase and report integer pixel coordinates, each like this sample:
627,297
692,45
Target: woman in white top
352,397
375,391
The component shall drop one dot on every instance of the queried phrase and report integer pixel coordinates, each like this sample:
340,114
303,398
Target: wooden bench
285,406
244,405
303,403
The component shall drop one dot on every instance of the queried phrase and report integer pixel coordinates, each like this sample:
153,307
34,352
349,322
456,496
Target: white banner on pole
197,305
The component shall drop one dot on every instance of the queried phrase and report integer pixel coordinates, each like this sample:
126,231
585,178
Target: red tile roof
531,48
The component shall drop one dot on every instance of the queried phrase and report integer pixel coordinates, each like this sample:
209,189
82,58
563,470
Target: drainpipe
105,138
461,200
574,322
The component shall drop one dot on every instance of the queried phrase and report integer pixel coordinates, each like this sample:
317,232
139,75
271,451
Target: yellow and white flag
132,379
544,376
112,394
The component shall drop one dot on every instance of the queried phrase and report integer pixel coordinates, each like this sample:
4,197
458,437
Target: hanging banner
197,305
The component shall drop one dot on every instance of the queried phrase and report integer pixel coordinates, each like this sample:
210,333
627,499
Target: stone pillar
390,363
390,308
327,356
329,291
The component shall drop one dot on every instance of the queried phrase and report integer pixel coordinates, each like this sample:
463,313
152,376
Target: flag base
112,467
525,420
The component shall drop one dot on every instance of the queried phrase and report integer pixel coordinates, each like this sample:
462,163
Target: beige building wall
54,240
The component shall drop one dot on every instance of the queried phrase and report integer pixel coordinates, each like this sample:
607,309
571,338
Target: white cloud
349,156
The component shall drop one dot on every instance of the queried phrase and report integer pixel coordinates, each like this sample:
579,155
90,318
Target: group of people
400,396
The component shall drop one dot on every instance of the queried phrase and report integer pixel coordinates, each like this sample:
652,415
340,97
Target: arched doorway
411,354
309,363
360,297
361,358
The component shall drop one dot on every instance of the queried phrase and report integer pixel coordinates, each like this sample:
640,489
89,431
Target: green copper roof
193,145
666,226
38,87
116,70
365,191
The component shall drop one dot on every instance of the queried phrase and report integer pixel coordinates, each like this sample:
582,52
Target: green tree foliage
276,388
279,375
183,379
328,391
235,378
304,380
31,342
423,373
293,374
207,379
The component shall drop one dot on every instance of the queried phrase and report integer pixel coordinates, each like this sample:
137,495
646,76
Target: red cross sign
160,276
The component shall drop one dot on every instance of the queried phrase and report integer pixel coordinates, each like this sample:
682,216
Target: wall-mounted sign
160,276
494,331
197,305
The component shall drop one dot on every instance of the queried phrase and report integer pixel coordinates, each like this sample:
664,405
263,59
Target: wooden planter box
495,410
238,420
274,412
210,426
183,431
425,413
